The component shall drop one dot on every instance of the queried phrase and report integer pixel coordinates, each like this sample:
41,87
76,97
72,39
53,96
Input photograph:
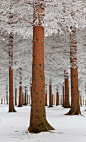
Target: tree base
25,104
77,112
43,127
19,106
12,110
50,106
67,106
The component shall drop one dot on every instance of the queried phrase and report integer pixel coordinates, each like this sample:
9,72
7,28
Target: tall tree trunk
57,98
75,108
63,95
20,88
15,96
50,95
25,95
66,104
11,103
38,122
27,98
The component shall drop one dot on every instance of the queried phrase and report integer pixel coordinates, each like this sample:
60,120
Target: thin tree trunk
57,98
25,95
66,104
63,95
27,99
15,96
75,108
20,88
38,122
50,95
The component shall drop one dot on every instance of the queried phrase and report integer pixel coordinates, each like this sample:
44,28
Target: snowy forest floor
13,126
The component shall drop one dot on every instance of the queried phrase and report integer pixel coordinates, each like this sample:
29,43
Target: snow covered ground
13,126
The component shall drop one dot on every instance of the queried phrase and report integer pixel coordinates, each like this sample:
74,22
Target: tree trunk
25,95
15,96
38,122
66,104
45,98
50,95
63,96
20,88
75,108
11,103
27,99
57,98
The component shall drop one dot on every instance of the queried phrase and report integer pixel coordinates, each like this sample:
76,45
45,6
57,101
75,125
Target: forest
43,70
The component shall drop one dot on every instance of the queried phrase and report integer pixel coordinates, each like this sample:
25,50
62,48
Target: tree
20,87
50,95
11,103
66,104
57,96
75,108
38,122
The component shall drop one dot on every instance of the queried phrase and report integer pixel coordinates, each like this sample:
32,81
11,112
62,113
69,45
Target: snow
13,126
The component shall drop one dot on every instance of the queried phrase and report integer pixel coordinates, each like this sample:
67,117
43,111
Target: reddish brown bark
11,103
23,99
53,99
25,95
1,101
15,96
20,88
75,108
66,104
63,96
45,98
61,100
38,120
50,95
27,98
57,98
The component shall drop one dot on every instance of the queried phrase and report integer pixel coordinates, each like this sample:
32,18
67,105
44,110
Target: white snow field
13,126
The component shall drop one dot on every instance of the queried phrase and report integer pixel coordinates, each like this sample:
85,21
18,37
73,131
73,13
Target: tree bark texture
63,95
66,104
57,98
38,122
15,96
75,108
50,95
20,88
11,103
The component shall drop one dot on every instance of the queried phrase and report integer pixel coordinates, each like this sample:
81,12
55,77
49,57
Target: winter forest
43,70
